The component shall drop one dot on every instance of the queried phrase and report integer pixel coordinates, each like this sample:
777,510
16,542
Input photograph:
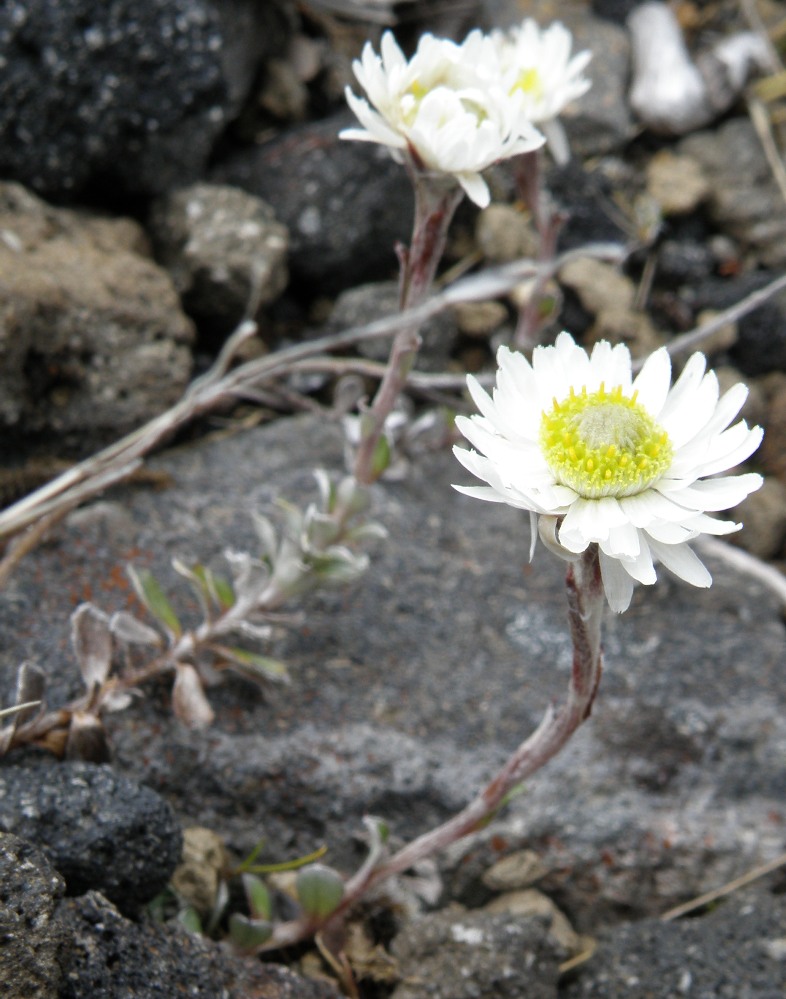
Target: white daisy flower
538,64
601,458
445,109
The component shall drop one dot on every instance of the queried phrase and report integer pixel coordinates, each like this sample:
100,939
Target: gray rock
223,249
344,203
29,929
92,338
368,302
107,956
744,199
735,952
99,830
765,520
476,955
103,98
761,342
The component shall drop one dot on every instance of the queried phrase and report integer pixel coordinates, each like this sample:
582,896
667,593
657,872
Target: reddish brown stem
436,201
585,609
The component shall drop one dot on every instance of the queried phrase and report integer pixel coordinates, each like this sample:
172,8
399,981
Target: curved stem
435,204
585,610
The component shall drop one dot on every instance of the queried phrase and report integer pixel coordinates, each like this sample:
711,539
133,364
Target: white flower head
602,458
538,64
445,108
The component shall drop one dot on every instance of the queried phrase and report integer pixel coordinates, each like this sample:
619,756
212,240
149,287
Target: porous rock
106,955
30,931
101,99
744,200
760,346
92,338
99,830
224,250
734,952
455,954
345,204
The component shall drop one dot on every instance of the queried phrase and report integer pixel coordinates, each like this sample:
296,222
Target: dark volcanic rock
30,933
735,952
761,344
101,98
345,203
99,830
107,957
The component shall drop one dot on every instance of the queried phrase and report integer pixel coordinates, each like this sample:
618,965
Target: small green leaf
189,918
258,896
246,934
256,666
283,865
319,890
381,457
153,597
221,590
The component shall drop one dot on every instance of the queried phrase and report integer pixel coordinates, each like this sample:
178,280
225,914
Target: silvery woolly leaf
249,574
327,493
91,640
320,529
259,632
252,664
129,629
268,539
340,565
30,687
188,698
196,579
367,532
293,518
352,496
149,591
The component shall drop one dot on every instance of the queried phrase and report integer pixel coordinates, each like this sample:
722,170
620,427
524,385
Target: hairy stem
435,205
585,610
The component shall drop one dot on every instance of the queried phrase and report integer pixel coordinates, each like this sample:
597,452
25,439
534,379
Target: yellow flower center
604,443
530,82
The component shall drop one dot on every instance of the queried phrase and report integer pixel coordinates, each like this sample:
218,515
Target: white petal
475,187
683,562
617,584
671,534
623,542
645,508
716,494
641,568
686,421
590,520
684,387
703,524
739,444
653,381
481,493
